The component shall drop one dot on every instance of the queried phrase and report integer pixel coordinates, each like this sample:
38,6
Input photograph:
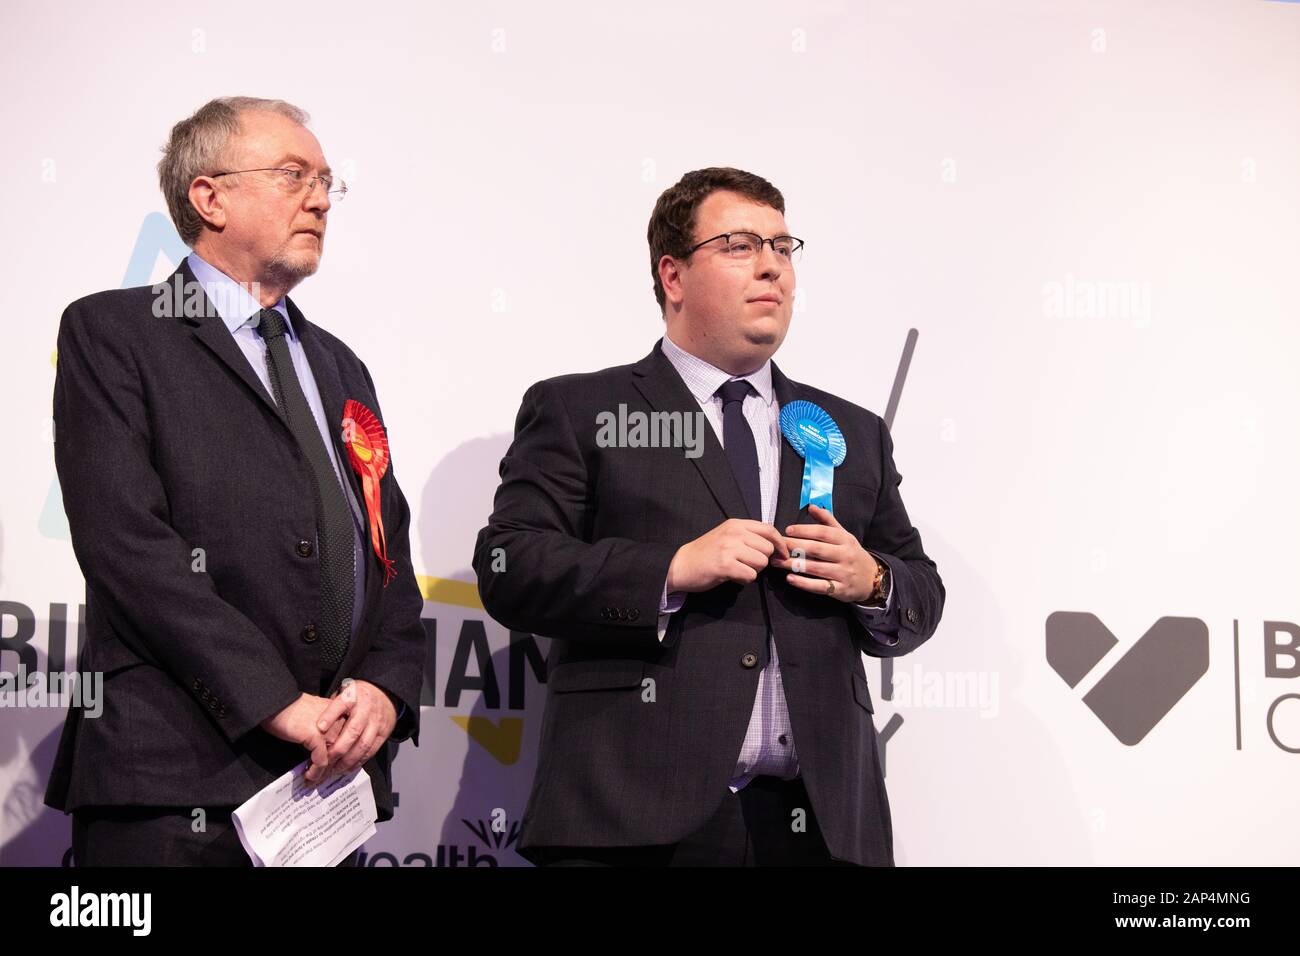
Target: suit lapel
212,332
664,390
791,485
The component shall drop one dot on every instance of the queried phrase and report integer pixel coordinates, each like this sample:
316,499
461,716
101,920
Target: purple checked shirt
769,746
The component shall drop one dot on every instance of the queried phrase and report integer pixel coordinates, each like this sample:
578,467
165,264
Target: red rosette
367,445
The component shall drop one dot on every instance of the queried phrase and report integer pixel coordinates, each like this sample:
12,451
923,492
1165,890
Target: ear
670,275
208,202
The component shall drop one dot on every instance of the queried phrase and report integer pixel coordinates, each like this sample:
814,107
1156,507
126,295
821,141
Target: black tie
738,442
334,530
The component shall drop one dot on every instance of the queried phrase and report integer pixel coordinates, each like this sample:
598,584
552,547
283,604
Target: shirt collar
704,379
232,301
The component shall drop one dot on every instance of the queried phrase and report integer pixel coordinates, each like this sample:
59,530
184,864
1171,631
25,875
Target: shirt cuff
668,604
875,616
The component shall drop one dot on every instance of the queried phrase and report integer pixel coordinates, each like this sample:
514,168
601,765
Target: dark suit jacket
587,535
166,441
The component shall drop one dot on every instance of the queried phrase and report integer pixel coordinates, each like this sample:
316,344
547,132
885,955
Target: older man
244,542
706,700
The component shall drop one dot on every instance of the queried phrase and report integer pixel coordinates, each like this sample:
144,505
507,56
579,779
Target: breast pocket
854,506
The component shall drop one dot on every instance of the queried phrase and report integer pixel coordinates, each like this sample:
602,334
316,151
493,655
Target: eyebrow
294,158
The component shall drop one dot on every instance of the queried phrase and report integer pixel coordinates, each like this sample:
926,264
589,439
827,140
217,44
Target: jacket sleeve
394,661
916,592
137,567
537,572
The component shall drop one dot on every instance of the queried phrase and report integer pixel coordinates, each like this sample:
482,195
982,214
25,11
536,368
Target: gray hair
197,146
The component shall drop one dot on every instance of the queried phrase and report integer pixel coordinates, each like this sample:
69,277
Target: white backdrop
1087,210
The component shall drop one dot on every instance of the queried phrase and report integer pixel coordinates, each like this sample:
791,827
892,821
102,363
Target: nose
767,263
317,197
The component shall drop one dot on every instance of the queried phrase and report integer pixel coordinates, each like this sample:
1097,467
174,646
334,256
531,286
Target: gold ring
830,588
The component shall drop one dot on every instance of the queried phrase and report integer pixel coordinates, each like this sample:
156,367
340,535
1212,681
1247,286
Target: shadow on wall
500,757
455,505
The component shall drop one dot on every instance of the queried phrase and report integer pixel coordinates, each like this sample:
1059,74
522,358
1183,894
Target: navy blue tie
738,442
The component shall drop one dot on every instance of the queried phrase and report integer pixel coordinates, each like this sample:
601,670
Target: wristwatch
879,587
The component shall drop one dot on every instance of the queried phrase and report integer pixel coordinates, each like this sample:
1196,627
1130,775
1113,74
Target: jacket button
604,612
633,614
309,634
911,615
622,614
749,660
304,549
198,684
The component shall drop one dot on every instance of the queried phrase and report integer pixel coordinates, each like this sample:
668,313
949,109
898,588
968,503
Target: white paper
291,822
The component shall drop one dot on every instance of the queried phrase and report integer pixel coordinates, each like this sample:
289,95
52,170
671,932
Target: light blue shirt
239,311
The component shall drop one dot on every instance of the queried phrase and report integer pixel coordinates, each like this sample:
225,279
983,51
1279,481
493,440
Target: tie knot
270,324
734,391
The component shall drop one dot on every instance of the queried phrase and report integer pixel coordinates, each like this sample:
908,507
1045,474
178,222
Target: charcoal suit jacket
169,449
640,737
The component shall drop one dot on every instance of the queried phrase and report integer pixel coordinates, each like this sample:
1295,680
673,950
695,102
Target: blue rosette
812,432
